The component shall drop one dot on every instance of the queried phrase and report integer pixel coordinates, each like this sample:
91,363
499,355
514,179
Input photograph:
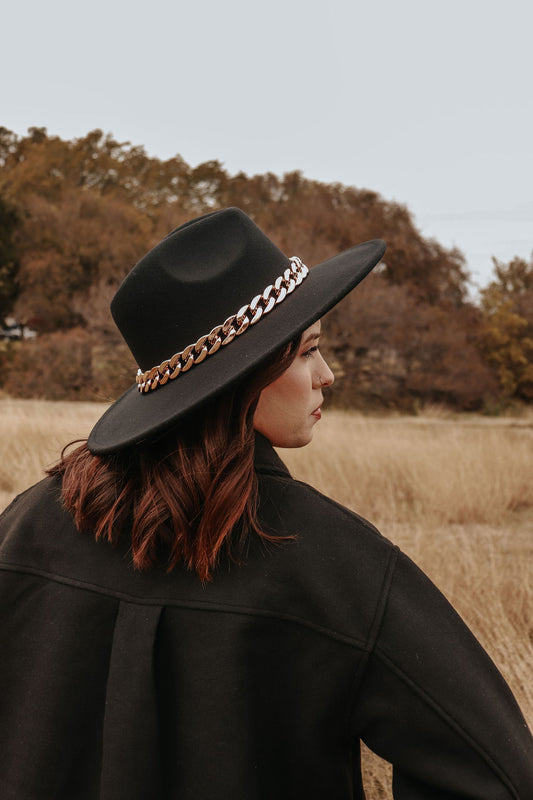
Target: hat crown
200,274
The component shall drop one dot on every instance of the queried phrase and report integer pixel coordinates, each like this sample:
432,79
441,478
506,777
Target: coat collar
266,460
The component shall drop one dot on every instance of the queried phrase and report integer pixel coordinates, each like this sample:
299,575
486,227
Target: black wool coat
120,685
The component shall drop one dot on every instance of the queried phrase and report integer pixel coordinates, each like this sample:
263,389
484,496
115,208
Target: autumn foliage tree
76,215
9,262
507,339
392,350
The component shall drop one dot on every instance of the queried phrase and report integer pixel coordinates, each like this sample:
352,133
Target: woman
182,619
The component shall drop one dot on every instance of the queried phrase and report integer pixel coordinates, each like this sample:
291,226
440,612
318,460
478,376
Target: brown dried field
455,492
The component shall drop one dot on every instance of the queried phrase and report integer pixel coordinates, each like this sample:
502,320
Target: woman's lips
316,413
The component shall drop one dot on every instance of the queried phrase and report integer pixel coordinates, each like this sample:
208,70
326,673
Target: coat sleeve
432,703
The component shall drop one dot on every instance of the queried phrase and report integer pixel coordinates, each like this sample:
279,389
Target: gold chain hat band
223,334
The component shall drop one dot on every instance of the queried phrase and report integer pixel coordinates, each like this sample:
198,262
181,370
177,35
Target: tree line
75,215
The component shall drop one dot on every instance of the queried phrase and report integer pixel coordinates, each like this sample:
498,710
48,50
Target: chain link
223,334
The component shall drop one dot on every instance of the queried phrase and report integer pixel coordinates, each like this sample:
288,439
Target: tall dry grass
32,434
455,493
438,470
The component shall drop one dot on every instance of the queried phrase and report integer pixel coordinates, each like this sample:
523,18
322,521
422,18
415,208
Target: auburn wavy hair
184,496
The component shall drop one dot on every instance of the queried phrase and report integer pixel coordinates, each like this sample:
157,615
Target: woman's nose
325,376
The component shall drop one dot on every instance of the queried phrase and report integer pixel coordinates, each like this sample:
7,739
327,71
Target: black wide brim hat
205,307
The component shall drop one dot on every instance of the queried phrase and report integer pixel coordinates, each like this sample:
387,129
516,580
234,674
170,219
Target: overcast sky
426,102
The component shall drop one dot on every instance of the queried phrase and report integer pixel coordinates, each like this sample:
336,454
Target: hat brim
135,417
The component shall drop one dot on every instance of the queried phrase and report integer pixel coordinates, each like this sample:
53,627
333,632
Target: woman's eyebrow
310,337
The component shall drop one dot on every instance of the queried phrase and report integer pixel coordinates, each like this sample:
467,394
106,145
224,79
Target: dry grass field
456,493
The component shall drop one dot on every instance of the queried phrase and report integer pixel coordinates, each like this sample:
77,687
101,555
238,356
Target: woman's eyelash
310,351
